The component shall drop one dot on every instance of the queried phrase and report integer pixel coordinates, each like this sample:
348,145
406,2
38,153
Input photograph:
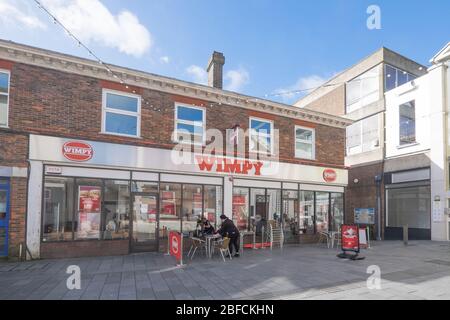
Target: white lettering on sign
77,151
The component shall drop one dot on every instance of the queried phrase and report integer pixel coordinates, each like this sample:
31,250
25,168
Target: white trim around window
8,73
312,142
269,136
187,122
137,114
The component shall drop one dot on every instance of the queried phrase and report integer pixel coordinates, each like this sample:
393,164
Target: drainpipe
378,180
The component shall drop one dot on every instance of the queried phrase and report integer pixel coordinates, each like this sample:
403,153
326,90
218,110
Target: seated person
208,229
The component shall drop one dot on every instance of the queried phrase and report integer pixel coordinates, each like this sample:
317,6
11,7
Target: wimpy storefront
89,198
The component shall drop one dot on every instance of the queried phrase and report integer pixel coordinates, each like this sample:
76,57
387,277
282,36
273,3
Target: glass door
4,219
322,211
145,222
290,215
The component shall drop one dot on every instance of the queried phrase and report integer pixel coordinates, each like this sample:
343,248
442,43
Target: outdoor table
209,239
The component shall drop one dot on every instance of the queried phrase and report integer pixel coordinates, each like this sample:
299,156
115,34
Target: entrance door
145,222
4,219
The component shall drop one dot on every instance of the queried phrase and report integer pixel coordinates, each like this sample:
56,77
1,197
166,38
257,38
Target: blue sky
269,45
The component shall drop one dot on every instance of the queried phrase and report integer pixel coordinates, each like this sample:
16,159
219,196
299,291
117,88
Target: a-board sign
175,244
350,237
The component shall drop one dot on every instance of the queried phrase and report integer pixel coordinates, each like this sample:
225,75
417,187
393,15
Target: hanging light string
122,81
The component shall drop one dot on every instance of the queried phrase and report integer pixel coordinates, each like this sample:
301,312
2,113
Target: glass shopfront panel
337,210
116,210
258,209
409,206
170,210
290,214
322,211
89,206
274,206
306,212
241,215
192,206
213,203
58,209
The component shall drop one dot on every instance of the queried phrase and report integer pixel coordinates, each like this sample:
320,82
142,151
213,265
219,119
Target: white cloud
234,79
164,59
19,13
198,74
91,21
304,84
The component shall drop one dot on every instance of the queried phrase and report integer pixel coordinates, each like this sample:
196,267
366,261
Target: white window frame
192,123
313,142
251,134
137,114
8,73
357,104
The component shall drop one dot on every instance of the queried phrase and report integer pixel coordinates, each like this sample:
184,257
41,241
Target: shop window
394,77
306,217
170,208
261,136
407,123
363,90
213,204
4,98
121,114
89,209
58,209
116,210
409,206
189,124
274,206
337,210
192,206
258,210
304,143
363,136
240,208
144,187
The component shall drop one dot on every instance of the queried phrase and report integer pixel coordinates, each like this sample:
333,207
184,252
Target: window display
240,208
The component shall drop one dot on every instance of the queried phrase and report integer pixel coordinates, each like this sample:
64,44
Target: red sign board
77,151
350,237
329,175
175,244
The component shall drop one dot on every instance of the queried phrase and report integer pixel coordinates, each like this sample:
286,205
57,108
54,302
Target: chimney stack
215,70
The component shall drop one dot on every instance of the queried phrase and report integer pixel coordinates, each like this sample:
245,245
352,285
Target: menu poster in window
239,210
168,203
89,205
365,215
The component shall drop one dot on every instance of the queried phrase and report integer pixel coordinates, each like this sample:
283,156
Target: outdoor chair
323,235
196,244
223,246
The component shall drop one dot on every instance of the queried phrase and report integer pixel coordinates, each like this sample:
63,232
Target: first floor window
261,136
4,96
407,125
363,136
189,124
121,114
304,143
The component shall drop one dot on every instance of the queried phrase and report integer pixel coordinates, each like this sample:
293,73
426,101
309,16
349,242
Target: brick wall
364,193
69,105
13,153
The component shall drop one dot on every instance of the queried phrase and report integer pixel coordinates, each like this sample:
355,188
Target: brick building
87,163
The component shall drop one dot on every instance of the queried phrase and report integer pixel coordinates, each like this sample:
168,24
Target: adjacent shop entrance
4,217
145,222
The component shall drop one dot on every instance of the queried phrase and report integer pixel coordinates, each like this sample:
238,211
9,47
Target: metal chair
323,235
196,243
223,247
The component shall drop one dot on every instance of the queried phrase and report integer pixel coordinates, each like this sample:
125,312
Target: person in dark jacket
228,229
208,228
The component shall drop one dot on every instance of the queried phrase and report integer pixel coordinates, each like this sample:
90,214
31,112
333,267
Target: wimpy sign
227,165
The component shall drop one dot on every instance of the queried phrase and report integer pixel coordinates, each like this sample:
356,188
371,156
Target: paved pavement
419,271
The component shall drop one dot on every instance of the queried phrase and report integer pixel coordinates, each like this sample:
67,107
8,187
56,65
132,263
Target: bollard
405,235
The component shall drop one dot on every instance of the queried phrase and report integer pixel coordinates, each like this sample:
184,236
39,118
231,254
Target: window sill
187,144
408,145
308,159
120,135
